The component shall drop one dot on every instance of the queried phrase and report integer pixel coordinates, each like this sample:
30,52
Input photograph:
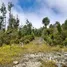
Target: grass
7,55
32,48
48,64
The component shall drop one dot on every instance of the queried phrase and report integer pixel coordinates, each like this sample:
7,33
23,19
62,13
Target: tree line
54,34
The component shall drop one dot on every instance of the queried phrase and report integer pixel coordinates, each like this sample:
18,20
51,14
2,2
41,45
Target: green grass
7,55
32,48
48,64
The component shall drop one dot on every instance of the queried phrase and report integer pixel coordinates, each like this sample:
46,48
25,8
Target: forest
27,46
13,33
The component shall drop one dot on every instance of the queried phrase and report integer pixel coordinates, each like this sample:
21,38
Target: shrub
1,43
65,42
26,39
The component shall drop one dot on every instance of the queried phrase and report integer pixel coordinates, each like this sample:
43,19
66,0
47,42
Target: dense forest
53,34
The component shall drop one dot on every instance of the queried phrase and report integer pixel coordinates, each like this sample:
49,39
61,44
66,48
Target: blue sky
34,5
36,10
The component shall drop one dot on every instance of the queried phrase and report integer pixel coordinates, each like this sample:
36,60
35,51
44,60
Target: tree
64,25
46,21
29,27
51,26
10,5
58,27
16,25
1,37
65,42
1,22
26,29
3,11
37,32
11,23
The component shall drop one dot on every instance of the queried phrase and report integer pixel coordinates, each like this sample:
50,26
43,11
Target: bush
1,37
26,39
65,42
1,43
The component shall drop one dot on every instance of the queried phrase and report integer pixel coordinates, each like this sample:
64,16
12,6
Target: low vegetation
48,64
8,54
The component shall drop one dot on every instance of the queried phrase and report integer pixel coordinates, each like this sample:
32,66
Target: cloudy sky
36,10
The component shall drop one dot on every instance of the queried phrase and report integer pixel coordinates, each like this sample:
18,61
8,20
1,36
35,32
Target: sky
36,10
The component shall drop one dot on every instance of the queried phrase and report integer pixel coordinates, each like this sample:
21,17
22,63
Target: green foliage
46,21
26,39
3,17
51,26
1,22
54,34
64,25
1,37
13,23
65,42
48,64
59,27
37,32
10,5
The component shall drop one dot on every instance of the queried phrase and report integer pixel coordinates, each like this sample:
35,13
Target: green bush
26,39
65,42
1,43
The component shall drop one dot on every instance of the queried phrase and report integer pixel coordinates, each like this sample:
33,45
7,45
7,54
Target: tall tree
3,11
46,21
16,25
58,26
10,5
64,25
29,26
1,22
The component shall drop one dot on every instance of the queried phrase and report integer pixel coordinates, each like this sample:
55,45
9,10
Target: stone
15,62
34,59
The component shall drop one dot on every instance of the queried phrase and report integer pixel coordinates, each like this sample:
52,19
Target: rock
65,55
59,54
21,65
33,64
59,65
34,59
15,62
24,65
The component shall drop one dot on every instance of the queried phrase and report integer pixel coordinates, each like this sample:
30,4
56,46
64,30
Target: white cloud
61,5
45,10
